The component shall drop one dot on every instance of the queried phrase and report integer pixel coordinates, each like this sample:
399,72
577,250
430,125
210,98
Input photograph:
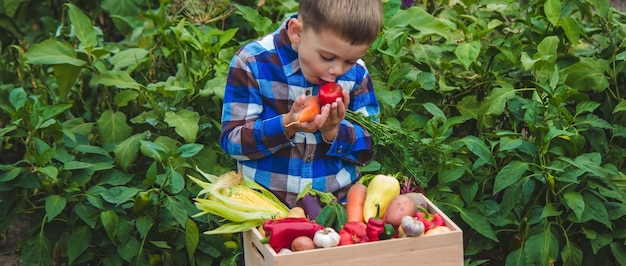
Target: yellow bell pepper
380,191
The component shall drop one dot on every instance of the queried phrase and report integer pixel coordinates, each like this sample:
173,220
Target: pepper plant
101,135
526,100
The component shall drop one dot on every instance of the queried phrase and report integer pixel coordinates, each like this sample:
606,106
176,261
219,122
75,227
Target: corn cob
248,196
244,203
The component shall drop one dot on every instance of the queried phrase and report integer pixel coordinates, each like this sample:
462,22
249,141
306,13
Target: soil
10,240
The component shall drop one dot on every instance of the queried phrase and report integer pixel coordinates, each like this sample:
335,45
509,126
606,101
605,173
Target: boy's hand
336,113
327,121
294,114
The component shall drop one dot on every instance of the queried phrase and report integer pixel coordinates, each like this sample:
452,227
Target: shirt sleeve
245,135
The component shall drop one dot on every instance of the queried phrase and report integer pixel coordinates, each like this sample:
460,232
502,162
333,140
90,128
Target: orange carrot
310,111
354,202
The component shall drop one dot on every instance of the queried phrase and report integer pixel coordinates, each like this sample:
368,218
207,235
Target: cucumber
341,216
327,216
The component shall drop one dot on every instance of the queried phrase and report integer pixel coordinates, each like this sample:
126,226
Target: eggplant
311,205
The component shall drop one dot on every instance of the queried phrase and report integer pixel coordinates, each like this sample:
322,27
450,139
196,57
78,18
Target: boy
268,82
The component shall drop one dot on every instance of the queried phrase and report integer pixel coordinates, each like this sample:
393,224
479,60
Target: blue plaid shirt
263,81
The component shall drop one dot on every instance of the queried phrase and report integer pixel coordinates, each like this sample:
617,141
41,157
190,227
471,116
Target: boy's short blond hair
356,21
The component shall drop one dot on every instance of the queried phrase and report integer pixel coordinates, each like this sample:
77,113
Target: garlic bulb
326,238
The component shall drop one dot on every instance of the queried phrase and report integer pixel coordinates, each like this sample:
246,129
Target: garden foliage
511,115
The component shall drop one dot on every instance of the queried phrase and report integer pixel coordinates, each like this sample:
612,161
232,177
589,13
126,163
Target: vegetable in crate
242,202
326,238
411,226
353,233
429,220
311,200
282,232
377,229
399,207
381,189
355,198
332,215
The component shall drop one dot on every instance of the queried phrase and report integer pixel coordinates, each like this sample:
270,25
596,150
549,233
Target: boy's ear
294,29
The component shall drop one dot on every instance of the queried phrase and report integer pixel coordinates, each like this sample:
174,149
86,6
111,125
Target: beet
311,205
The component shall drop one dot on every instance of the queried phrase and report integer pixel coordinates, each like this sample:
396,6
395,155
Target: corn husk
240,216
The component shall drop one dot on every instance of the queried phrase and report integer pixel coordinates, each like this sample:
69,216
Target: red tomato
329,92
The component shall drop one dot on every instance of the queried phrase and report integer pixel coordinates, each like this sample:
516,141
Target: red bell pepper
282,232
377,229
353,233
429,220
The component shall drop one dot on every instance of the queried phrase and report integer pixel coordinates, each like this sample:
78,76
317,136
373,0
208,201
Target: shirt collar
287,55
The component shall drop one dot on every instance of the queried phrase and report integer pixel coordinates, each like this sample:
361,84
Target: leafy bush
510,114
525,102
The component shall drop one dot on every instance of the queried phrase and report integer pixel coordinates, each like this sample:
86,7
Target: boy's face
323,56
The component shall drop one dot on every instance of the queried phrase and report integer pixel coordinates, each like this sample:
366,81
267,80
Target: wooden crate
440,249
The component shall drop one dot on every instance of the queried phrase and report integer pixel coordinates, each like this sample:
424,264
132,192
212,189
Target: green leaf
391,98
129,251
91,150
262,25
595,210
469,107
192,237
152,149
571,29
143,224
542,248
78,242
116,78
54,205
123,97
109,221
588,75
586,107
75,165
127,151
478,147
185,123
508,175
17,98
419,19
552,9
49,171
66,75
571,254
177,182
36,251
593,121
9,174
467,52
51,52
495,103
82,27
618,251
620,107
127,60
112,127
550,210
87,213
119,195
428,54
10,7
177,210
574,200
190,150
478,222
